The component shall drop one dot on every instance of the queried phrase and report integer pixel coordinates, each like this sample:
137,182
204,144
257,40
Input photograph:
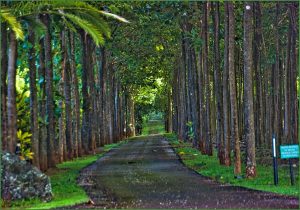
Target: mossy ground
209,166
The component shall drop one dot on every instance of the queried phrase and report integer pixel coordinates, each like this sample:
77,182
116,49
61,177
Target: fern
13,23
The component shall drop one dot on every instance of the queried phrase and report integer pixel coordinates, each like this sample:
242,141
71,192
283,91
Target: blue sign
289,151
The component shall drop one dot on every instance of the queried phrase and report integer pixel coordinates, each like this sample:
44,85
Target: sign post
275,167
288,152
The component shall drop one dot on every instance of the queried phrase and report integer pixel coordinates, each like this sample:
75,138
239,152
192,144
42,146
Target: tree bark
293,73
226,103
248,91
85,133
67,94
49,94
232,88
11,94
217,82
33,100
76,115
4,65
42,109
208,141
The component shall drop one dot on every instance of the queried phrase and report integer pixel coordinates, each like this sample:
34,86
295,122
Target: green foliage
22,100
209,166
191,134
88,27
153,127
12,22
25,144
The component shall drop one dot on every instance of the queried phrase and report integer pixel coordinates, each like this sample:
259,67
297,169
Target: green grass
153,127
210,167
65,190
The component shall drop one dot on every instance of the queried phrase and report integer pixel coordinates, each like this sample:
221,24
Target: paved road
146,173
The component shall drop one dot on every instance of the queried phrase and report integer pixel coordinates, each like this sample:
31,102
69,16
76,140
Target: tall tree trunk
91,85
232,87
11,94
201,103
76,115
131,116
49,94
67,94
42,109
183,93
226,103
208,141
102,65
259,106
170,110
33,100
293,73
248,90
85,133
287,93
4,64
217,82
276,78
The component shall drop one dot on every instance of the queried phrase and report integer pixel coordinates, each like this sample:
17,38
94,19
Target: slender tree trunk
183,93
4,65
201,104
131,116
62,143
226,103
276,78
67,94
91,85
287,93
85,133
217,82
33,100
49,94
169,128
42,109
208,142
293,73
102,67
232,87
11,94
248,91
77,126
259,106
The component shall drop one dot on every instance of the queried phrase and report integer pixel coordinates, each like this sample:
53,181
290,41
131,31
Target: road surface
146,173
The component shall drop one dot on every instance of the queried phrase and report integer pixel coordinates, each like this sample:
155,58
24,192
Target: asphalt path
146,173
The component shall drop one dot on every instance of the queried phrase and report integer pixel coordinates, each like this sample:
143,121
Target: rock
21,180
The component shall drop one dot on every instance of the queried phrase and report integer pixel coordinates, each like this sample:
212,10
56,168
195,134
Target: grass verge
65,190
210,167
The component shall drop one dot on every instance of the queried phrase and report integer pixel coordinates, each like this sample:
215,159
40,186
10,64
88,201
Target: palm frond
117,17
30,8
13,23
96,20
88,27
37,26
